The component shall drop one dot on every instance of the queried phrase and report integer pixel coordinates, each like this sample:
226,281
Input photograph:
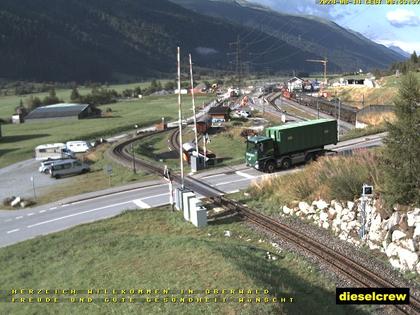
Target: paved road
19,225
15,179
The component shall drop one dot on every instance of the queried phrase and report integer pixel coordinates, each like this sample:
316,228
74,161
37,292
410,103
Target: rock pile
17,202
398,236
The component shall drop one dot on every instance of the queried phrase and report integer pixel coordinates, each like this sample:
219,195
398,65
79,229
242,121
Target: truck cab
259,151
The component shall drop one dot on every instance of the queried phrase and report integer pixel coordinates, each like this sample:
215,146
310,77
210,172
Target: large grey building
62,111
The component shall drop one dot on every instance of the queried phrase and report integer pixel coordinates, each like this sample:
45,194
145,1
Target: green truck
289,144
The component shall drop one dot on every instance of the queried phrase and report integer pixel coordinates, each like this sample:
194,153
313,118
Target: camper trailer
54,151
79,146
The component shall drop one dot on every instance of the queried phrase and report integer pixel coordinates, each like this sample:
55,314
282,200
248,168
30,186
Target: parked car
68,167
46,165
79,146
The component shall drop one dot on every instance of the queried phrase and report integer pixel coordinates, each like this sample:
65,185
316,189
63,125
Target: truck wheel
310,157
286,164
57,176
270,167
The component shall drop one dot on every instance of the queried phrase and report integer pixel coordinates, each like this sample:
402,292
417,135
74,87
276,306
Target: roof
301,123
57,110
218,110
294,79
50,145
256,139
203,119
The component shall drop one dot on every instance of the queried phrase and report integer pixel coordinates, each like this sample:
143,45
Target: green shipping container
302,136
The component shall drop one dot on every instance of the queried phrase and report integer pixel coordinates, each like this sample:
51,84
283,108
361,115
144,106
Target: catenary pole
193,106
180,118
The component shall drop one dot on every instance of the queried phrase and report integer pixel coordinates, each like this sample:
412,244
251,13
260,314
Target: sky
397,25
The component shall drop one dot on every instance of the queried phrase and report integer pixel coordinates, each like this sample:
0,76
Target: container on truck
52,151
289,144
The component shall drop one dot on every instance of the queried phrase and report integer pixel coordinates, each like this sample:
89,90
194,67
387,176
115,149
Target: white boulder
350,205
413,217
397,235
393,221
407,258
303,206
227,233
323,216
16,201
351,215
408,244
325,225
395,263
391,250
320,204
287,210
332,213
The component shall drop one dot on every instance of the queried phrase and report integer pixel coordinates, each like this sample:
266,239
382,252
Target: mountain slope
346,50
101,40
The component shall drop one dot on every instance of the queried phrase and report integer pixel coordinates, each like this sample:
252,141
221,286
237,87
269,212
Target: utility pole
338,123
33,186
238,60
134,159
180,118
193,107
317,107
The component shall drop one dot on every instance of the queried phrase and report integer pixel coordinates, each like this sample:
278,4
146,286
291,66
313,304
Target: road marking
211,176
53,208
244,174
115,194
141,204
42,211
19,217
29,214
232,181
13,231
160,195
233,191
78,213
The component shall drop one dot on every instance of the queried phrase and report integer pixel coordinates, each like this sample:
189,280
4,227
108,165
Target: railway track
346,266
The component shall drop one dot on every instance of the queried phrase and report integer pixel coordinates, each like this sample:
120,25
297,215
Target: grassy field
156,249
19,141
10,102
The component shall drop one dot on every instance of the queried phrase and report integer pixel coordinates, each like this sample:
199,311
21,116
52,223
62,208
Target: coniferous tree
75,95
401,163
414,57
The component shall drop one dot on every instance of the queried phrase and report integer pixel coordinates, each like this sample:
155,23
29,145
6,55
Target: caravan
54,151
79,146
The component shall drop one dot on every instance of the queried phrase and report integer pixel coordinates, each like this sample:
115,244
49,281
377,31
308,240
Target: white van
79,146
52,151
68,167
